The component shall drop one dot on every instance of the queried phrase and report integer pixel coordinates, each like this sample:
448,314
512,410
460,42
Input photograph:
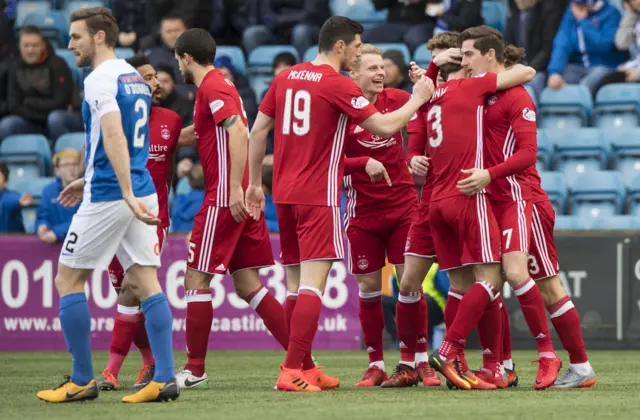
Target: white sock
421,357
379,364
582,368
508,364
410,364
502,371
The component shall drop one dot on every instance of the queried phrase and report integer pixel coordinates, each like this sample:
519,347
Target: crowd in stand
590,42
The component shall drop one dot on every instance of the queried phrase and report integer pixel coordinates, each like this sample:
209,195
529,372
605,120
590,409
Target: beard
85,60
188,77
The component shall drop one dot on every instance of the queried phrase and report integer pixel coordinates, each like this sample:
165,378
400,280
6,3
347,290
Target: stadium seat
566,223
531,93
617,105
494,14
545,149
34,187
396,46
616,222
362,11
74,5
579,151
124,53
261,58
422,56
70,141
555,185
625,144
310,54
24,8
236,56
54,26
568,107
26,155
634,196
260,84
29,219
70,59
597,194
183,187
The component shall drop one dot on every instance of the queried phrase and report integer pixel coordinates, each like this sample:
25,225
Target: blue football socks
76,326
158,322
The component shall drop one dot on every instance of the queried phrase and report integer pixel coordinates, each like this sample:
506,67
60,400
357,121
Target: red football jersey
311,106
164,130
455,139
216,100
365,198
417,132
508,114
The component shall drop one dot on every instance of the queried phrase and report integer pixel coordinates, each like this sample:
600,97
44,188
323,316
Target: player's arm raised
187,136
254,197
518,74
238,138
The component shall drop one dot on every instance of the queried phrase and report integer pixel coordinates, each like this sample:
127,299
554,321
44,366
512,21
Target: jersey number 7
300,103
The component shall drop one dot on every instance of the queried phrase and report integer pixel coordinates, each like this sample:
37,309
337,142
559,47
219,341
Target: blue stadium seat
634,196
29,219
422,56
70,141
183,187
70,59
54,26
34,187
579,150
616,222
545,149
261,58
531,93
555,185
24,8
494,14
568,107
124,53
625,144
310,54
597,194
26,155
260,84
566,223
74,5
617,105
236,56
396,46
359,10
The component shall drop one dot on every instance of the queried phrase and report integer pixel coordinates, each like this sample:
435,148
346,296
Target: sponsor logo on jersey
358,129
216,105
359,102
377,142
492,99
158,157
529,114
165,133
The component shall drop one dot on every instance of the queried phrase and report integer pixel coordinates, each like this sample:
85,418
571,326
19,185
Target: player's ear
340,46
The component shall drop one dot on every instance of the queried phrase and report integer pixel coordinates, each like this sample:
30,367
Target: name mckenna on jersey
309,76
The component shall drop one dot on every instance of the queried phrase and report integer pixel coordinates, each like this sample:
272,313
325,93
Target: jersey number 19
300,103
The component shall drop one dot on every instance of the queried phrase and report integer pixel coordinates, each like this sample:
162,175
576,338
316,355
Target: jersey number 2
300,103
434,117
138,137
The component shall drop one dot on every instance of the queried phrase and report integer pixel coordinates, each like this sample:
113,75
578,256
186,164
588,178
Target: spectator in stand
67,121
4,73
131,22
194,14
53,220
533,25
187,206
455,15
407,22
269,206
295,22
230,18
9,7
11,204
583,49
223,63
39,82
7,39
395,71
627,38
170,98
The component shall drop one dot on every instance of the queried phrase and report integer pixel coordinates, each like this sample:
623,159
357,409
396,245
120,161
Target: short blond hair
367,49
70,154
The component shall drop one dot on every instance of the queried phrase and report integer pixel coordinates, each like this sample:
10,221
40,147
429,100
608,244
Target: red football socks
451,308
124,329
199,319
490,332
289,305
506,332
271,312
422,342
566,321
535,314
372,323
142,342
408,324
304,324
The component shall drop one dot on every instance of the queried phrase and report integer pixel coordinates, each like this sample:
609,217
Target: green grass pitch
241,387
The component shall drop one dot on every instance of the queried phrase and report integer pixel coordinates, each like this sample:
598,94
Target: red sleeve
349,98
354,164
432,72
417,132
222,102
268,104
522,116
482,85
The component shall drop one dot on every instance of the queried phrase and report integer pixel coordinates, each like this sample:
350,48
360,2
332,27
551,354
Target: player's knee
127,296
246,282
195,280
516,275
551,290
368,284
411,282
69,281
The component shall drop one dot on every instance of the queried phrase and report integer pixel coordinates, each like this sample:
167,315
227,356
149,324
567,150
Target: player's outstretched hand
419,165
236,203
450,56
141,211
415,72
71,196
423,89
475,183
377,171
254,197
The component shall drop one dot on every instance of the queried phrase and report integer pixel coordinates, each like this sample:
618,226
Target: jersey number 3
434,118
140,108
300,103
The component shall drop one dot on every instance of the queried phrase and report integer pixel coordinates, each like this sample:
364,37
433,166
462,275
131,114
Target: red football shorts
373,238
465,231
309,233
219,243
543,258
115,270
514,221
420,240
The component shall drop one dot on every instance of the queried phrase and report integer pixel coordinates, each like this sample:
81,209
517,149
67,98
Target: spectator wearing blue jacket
583,49
11,204
187,205
269,206
53,220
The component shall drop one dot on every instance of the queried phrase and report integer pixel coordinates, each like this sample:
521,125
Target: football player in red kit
309,106
164,130
526,219
223,237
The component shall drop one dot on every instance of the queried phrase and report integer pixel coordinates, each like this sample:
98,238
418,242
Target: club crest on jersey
363,264
529,114
492,99
165,133
359,102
